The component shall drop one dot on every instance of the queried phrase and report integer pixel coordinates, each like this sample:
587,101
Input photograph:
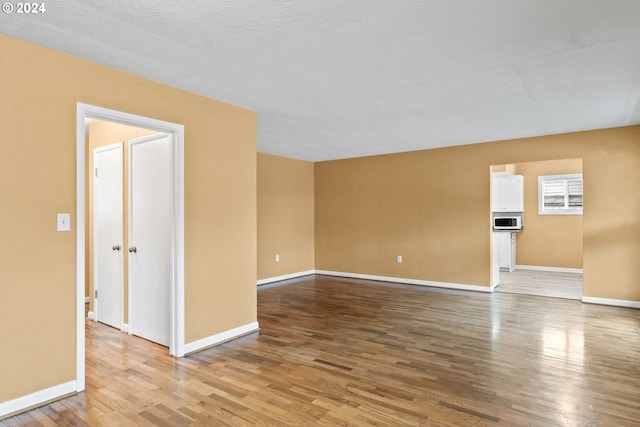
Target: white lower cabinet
506,248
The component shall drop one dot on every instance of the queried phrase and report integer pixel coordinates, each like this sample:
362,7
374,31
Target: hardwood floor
347,352
542,283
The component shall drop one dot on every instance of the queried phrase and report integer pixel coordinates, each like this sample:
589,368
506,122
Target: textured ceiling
334,78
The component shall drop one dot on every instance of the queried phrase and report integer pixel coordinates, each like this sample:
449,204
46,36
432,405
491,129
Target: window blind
561,193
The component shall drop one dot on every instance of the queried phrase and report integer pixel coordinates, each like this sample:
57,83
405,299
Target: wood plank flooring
353,353
543,283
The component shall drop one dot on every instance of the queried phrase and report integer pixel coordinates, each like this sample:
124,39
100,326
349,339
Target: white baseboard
87,300
220,338
614,302
446,285
555,269
92,316
36,399
285,277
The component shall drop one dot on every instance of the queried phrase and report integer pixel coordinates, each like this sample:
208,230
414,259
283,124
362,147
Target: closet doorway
153,165
135,261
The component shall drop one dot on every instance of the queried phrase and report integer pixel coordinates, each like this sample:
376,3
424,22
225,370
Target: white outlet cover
399,259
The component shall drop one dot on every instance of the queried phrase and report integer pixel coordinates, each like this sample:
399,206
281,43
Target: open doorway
541,253
129,228
174,150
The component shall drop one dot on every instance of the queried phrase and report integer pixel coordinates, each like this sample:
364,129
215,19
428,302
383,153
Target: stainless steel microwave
507,223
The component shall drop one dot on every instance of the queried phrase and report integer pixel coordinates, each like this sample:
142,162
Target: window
560,194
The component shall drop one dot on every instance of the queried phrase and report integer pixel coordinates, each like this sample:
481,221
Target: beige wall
420,205
101,134
548,240
433,208
285,216
40,92
512,169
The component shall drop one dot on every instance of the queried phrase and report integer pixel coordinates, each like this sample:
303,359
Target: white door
107,234
150,236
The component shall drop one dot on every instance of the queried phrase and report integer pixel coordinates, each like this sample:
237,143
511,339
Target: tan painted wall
548,240
433,208
37,180
285,216
369,210
512,169
101,134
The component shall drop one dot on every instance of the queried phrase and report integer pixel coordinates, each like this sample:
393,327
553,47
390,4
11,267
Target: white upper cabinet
507,193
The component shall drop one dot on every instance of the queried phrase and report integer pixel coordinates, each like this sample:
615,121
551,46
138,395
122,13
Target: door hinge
96,169
95,293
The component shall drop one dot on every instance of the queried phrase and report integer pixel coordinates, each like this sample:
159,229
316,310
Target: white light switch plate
64,222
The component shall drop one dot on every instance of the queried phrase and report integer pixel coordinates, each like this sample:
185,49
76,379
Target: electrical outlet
277,257
399,259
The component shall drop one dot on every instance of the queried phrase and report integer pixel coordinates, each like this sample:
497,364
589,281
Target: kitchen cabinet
506,248
507,193
495,262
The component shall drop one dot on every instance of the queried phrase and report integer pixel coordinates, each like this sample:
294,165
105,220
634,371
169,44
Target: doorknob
133,249
115,247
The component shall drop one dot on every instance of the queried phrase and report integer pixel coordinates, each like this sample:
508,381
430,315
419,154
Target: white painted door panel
150,236
107,234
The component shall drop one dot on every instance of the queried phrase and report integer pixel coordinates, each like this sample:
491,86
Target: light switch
64,222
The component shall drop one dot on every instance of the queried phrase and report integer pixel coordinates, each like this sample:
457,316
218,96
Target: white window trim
567,211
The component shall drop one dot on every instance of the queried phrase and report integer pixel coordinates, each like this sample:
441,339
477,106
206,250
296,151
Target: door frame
86,111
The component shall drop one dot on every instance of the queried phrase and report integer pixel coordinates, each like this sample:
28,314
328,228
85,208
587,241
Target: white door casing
150,236
84,112
107,234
